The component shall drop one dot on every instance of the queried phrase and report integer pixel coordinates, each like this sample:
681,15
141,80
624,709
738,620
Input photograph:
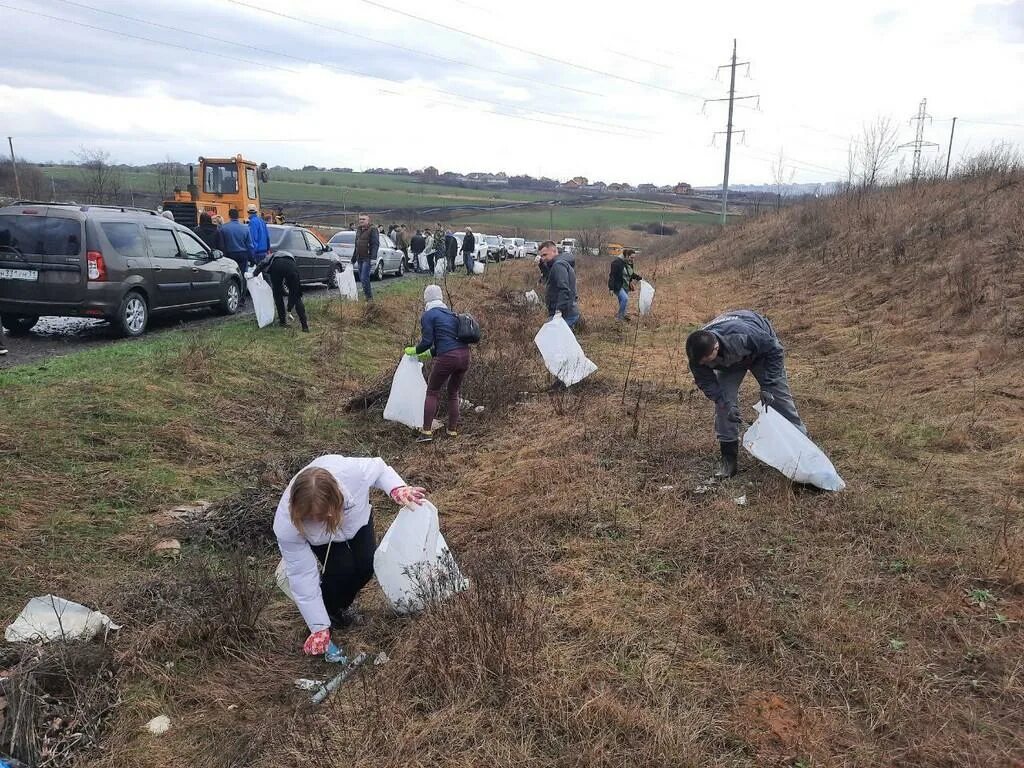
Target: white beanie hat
432,293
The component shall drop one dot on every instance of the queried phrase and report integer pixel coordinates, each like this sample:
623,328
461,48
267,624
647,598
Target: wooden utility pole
949,152
14,165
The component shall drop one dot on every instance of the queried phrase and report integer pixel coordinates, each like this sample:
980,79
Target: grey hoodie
745,340
561,279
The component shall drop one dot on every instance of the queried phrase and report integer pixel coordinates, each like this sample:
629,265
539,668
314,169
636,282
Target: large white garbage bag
262,300
413,564
53,618
646,297
776,442
408,394
347,283
424,264
440,267
478,267
562,354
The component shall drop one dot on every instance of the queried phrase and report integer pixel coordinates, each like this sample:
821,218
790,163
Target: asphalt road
54,336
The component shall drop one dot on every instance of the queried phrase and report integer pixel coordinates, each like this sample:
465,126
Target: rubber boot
730,455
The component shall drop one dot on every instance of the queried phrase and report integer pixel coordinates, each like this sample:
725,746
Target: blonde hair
316,497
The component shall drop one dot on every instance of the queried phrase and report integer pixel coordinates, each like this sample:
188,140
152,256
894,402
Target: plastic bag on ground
281,577
262,300
532,297
53,618
562,354
424,264
776,442
413,564
646,297
440,267
347,283
408,394
478,267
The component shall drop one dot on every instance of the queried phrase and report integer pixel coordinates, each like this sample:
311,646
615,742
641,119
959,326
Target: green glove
424,356
410,351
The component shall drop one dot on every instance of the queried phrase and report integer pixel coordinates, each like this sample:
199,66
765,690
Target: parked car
532,247
515,247
495,247
567,245
106,262
317,261
479,254
389,258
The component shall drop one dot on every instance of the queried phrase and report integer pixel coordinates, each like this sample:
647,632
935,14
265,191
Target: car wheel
133,315
19,325
378,273
401,267
332,281
231,299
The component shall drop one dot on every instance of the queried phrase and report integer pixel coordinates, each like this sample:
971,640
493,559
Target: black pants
347,570
285,271
431,260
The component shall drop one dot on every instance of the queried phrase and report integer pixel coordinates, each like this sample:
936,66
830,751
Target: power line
555,59
560,116
416,51
919,143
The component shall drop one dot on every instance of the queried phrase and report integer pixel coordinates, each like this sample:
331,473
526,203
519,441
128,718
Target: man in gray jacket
720,354
561,283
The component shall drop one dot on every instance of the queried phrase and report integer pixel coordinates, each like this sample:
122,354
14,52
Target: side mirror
327,249
217,254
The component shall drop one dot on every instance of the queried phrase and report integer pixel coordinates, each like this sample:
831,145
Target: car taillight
96,265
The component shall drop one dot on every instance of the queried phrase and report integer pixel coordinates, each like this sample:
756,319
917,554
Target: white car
479,253
568,245
531,246
389,258
515,247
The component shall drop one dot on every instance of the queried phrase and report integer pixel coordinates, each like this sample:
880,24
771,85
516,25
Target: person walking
402,243
451,249
620,280
324,529
365,252
439,328
418,245
561,283
209,233
468,250
283,271
720,354
237,244
438,245
259,234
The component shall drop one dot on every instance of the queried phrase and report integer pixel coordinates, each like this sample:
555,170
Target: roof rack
84,206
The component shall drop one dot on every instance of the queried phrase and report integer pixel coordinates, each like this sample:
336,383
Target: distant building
682,188
401,171
430,172
646,188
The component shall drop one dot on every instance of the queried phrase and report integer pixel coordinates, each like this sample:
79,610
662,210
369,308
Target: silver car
390,260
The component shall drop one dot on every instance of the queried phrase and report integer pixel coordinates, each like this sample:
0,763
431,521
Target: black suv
118,264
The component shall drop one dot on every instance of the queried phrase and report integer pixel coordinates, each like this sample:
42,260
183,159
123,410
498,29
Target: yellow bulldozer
224,183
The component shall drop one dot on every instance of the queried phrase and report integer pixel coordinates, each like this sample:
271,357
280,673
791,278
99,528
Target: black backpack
469,329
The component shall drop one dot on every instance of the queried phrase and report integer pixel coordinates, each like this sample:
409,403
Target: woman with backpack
441,341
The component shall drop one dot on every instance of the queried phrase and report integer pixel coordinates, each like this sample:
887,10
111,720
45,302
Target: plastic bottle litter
335,655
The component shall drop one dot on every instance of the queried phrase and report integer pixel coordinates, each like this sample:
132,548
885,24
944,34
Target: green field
572,219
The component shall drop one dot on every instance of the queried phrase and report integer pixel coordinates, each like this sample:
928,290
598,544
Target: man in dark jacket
451,249
720,354
209,232
237,243
468,250
561,283
620,280
365,252
419,245
283,270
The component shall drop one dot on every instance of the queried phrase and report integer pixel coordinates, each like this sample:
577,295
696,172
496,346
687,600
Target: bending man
720,354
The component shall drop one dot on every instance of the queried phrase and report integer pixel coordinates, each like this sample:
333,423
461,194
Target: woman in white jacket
324,528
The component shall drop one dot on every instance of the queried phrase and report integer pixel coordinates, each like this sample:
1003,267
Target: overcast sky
611,91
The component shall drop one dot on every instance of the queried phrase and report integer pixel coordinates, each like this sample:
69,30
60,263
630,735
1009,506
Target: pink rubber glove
407,495
317,642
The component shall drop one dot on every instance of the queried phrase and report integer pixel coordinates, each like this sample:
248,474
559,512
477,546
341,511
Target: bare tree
34,184
782,174
594,238
102,180
875,151
169,174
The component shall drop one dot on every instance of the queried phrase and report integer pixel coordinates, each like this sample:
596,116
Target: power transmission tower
729,129
919,143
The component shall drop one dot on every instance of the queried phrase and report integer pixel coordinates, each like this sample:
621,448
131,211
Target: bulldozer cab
217,186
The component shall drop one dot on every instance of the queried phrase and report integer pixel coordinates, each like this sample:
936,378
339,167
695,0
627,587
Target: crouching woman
324,528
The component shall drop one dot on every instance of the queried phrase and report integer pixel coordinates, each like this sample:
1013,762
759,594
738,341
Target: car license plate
19,274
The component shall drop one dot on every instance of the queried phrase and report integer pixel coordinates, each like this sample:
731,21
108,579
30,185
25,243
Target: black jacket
419,244
745,340
374,246
617,279
267,264
210,234
561,292
469,243
451,247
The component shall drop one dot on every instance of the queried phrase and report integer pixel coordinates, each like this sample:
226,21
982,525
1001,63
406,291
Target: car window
162,244
125,237
191,246
40,235
385,242
276,236
250,182
293,241
312,244
344,238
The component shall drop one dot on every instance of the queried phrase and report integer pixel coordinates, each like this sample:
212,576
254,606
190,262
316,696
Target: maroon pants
450,367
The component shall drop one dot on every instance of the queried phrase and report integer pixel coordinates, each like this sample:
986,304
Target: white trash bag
53,618
646,297
262,300
281,577
776,442
562,354
413,564
424,264
440,267
532,298
347,283
478,267
408,394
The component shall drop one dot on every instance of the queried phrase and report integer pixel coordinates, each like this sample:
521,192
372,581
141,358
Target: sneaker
3,351
425,437
452,432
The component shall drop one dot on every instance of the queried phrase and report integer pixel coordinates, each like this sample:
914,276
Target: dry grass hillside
624,610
